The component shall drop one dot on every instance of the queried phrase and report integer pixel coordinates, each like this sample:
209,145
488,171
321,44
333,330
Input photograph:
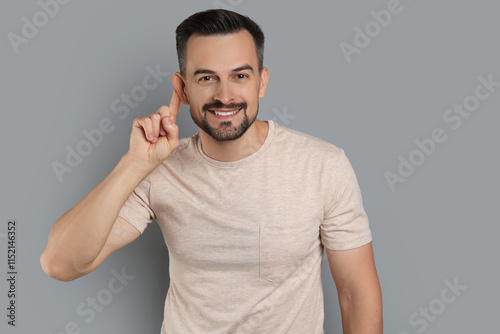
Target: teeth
218,113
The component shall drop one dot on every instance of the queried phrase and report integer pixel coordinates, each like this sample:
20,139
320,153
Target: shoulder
305,145
183,154
184,144
187,146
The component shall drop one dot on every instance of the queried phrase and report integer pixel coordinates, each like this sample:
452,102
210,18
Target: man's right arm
83,237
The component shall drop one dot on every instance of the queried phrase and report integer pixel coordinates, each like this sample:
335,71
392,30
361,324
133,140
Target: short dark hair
216,22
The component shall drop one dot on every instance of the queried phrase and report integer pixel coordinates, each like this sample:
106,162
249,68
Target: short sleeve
136,210
345,223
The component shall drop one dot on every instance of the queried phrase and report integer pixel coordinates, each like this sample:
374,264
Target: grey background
441,223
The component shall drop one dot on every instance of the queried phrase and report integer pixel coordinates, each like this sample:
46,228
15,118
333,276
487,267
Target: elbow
54,269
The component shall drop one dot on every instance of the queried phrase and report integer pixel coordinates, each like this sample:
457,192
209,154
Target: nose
224,93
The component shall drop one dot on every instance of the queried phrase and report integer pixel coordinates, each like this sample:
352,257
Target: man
245,206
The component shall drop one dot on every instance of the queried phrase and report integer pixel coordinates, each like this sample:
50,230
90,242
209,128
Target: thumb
172,131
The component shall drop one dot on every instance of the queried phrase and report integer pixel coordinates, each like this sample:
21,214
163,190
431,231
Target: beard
227,131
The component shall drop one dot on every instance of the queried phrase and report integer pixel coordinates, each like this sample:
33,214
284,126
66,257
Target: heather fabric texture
246,238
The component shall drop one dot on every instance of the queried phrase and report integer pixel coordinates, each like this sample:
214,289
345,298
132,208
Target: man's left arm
358,288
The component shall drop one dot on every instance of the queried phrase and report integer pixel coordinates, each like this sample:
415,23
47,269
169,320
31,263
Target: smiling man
246,206
222,78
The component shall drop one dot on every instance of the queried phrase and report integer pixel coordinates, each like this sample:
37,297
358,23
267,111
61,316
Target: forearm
362,313
79,235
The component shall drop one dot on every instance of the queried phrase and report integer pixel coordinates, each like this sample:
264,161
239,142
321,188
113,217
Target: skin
358,288
219,70
224,70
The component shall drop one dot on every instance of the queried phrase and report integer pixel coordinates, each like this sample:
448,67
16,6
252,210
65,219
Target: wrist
140,166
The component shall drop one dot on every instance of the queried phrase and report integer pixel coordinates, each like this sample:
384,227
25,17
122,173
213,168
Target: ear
264,76
180,87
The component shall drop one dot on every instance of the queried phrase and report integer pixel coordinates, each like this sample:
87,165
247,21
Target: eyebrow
242,68
238,69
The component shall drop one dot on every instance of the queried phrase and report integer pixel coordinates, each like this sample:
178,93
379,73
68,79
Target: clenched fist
154,137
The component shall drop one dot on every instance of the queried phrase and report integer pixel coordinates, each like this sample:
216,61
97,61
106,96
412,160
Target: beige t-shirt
245,238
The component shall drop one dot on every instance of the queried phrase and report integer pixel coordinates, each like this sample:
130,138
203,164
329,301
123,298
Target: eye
207,80
241,76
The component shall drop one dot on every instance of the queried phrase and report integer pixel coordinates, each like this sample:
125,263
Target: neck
237,149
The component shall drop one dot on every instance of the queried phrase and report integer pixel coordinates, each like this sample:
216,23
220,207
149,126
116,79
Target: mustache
220,105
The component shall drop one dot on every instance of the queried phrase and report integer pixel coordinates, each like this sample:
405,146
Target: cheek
249,93
202,95
195,96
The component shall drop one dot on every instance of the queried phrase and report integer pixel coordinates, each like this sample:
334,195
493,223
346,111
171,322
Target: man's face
223,84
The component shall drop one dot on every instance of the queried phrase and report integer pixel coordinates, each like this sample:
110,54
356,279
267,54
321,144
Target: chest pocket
282,249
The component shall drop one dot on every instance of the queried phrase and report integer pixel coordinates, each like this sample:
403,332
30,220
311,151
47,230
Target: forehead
220,53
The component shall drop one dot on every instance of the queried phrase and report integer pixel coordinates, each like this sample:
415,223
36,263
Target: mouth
224,114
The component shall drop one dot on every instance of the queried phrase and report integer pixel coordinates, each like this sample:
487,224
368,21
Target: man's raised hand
154,137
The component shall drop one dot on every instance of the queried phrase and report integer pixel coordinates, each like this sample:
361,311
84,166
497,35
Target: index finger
174,105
